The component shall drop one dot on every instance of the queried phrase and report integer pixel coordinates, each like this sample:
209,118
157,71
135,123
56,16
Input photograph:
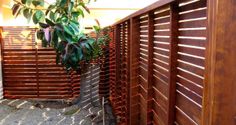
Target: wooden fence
159,65
30,71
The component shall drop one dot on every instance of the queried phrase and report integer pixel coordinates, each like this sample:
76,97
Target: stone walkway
25,112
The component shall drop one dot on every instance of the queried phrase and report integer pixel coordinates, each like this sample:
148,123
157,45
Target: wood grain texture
219,95
173,62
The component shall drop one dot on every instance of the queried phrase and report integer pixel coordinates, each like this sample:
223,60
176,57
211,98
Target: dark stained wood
183,119
189,108
192,60
191,77
219,93
161,85
134,57
146,9
192,51
193,24
191,42
150,63
160,99
32,72
161,113
193,33
195,5
192,86
193,15
2,55
189,93
173,62
37,69
191,68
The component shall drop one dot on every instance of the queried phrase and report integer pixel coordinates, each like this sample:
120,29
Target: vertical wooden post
173,61
134,62
219,101
150,66
2,71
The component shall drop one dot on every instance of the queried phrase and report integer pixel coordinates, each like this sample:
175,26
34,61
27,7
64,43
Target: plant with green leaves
59,27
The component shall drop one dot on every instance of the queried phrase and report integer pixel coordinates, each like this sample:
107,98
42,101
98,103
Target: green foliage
38,3
38,16
60,29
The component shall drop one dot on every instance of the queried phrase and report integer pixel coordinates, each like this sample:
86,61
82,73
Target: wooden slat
31,72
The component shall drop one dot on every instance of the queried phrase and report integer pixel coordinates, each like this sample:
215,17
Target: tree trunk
89,87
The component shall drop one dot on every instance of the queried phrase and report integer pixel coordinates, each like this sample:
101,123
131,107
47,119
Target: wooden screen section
143,66
166,63
19,63
191,61
161,65
30,71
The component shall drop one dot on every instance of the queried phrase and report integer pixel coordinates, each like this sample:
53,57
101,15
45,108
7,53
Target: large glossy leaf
63,3
19,11
68,37
52,16
75,28
26,13
64,19
38,16
79,53
15,8
28,2
23,1
54,39
59,27
50,7
81,12
43,25
68,30
61,46
38,3
60,34
49,22
75,14
29,16
70,7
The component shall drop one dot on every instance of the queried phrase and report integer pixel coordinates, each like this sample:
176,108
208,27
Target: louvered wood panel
112,67
122,89
53,81
19,62
191,59
143,67
117,99
161,63
134,71
30,71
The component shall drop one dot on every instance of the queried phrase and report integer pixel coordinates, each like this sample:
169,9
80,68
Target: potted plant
59,27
